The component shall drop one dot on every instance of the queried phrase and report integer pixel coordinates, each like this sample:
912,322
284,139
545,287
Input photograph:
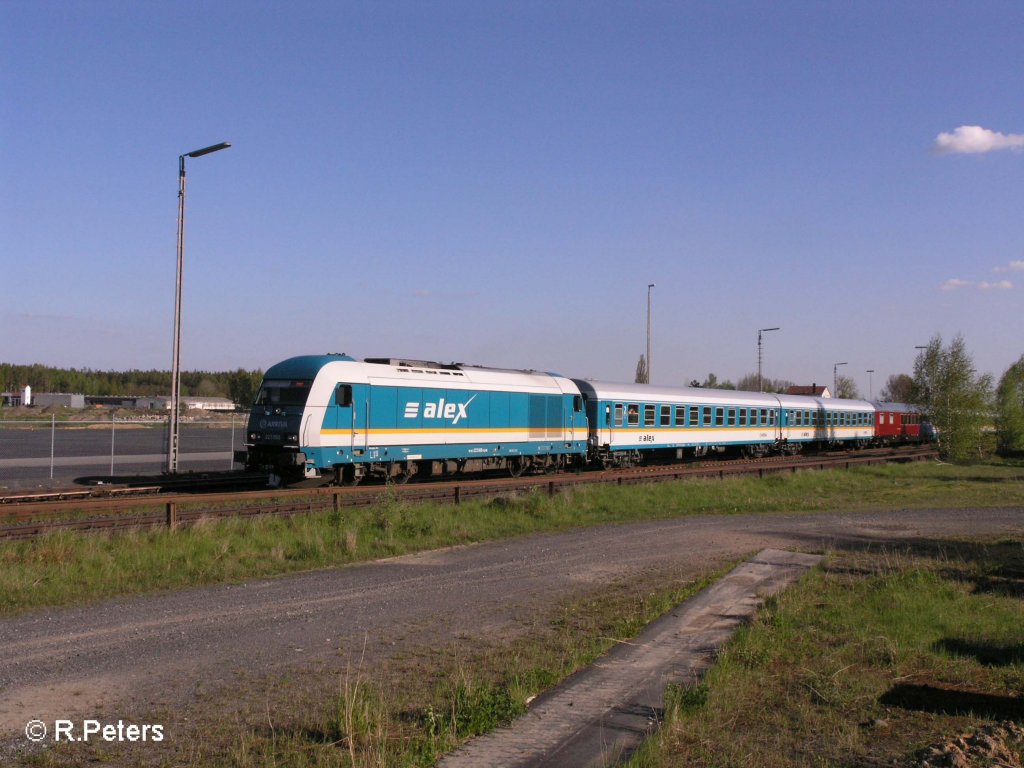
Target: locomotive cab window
284,392
343,395
577,404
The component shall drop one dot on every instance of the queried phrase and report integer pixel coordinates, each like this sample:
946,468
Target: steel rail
30,519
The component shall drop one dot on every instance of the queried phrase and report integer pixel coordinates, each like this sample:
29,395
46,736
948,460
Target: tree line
239,386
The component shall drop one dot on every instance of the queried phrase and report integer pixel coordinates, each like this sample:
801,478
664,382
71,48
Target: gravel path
169,653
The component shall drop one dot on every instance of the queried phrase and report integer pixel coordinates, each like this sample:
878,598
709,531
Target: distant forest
241,385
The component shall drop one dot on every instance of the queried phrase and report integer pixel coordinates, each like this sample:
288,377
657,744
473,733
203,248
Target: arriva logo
453,412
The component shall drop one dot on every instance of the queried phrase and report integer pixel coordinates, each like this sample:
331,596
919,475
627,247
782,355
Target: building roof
813,390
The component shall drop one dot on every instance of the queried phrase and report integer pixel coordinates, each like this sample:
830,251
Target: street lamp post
760,385
649,286
871,385
835,379
172,441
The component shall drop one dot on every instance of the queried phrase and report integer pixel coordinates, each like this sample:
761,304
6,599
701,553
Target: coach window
666,415
694,416
732,417
705,416
719,417
618,414
773,416
680,415
743,417
648,415
633,415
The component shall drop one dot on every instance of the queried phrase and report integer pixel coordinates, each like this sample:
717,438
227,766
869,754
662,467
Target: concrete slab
600,715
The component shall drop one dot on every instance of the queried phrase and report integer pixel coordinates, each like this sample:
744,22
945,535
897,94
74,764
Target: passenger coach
630,423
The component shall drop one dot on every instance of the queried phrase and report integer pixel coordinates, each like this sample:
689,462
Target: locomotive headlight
293,438
254,435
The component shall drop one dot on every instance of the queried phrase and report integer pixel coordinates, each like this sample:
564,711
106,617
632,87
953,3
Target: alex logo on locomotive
453,412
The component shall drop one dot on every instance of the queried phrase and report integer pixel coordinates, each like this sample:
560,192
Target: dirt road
170,655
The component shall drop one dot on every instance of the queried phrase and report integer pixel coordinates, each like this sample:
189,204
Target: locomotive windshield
284,392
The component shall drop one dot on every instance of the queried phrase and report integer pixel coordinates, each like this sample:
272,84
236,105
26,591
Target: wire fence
34,449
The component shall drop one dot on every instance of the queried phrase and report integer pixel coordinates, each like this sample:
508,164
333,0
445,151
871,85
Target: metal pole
649,286
111,444
760,384
231,458
172,448
835,379
53,437
172,453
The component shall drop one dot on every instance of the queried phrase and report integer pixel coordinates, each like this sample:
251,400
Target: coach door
345,416
573,416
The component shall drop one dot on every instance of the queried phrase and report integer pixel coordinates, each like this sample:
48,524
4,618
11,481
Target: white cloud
1013,266
973,139
1002,285
956,282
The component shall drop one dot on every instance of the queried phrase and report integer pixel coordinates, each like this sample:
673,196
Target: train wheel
409,469
516,466
348,476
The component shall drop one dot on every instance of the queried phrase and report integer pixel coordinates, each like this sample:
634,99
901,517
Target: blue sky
497,183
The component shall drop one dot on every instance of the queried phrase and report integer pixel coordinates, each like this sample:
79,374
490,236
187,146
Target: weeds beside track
34,518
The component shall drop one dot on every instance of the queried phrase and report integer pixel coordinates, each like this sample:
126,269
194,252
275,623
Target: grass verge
881,658
67,567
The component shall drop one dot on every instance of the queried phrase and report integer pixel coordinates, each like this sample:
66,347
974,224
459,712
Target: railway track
150,506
